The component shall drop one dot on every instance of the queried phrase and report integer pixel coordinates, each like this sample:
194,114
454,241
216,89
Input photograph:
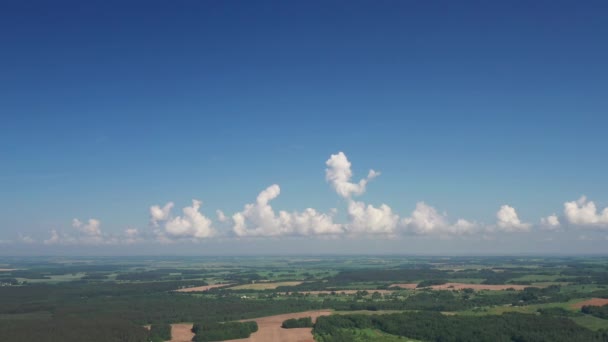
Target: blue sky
111,107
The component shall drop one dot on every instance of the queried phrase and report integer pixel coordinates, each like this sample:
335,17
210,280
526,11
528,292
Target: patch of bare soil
269,328
411,286
592,301
181,332
347,292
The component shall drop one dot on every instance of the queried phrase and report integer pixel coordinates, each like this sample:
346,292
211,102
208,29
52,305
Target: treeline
597,311
160,332
223,331
429,326
304,322
431,282
65,329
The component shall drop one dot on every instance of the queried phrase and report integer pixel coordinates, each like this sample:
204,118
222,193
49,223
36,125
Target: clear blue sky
110,107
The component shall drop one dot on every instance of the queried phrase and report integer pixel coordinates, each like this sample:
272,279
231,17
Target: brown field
592,301
202,288
265,286
269,328
411,286
181,332
348,292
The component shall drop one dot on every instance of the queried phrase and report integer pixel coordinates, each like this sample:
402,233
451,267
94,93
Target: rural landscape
307,298
303,171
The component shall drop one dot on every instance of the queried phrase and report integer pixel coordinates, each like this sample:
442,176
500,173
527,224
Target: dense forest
304,322
597,311
205,332
429,326
160,332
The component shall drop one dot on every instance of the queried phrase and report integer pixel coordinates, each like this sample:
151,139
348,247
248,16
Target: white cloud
507,220
584,213
91,234
338,173
91,228
260,219
367,219
550,222
311,222
192,224
426,220
158,214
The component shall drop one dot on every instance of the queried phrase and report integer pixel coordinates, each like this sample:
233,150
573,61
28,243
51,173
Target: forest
430,326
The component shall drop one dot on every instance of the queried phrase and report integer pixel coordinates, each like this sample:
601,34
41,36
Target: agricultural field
354,298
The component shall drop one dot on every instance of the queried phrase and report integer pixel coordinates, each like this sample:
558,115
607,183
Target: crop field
181,332
270,328
356,298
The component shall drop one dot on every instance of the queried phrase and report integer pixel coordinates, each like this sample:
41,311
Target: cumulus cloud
367,219
192,224
91,228
584,213
158,214
507,220
550,222
260,219
311,222
90,234
338,174
426,220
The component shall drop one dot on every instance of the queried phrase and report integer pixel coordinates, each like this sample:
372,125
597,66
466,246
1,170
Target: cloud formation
550,222
91,228
367,219
426,220
260,219
584,213
193,224
158,214
338,174
508,221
